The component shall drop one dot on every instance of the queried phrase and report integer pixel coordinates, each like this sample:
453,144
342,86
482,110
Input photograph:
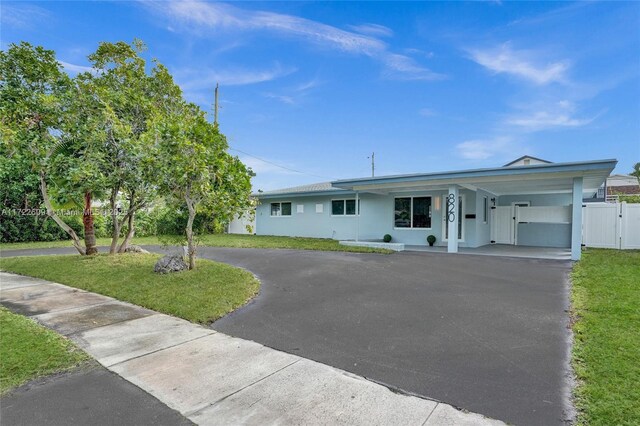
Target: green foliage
120,133
431,239
386,238
636,172
19,191
606,350
28,351
631,199
171,221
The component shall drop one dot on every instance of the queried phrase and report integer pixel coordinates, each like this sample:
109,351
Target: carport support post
452,227
576,219
357,216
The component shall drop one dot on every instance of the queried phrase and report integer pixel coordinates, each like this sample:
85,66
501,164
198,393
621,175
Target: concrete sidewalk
212,378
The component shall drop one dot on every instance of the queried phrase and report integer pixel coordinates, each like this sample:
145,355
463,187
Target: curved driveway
487,334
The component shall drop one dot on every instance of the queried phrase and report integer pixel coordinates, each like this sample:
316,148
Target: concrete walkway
212,378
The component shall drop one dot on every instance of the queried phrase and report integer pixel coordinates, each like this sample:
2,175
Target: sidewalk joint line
193,412
432,410
156,351
69,309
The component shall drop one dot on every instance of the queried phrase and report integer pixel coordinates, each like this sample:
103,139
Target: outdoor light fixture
493,201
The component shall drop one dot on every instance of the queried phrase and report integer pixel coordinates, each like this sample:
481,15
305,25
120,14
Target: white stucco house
527,202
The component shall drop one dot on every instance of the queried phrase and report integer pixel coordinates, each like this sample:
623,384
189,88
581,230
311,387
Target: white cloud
76,69
427,112
22,16
195,79
372,30
289,100
308,85
208,18
520,63
558,115
481,149
404,68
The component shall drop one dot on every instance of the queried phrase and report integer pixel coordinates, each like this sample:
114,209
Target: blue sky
316,87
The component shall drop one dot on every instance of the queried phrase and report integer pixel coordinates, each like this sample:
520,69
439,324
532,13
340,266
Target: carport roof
535,178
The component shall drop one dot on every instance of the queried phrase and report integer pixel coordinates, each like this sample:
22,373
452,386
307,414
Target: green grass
67,243
606,352
28,351
201,295
225,240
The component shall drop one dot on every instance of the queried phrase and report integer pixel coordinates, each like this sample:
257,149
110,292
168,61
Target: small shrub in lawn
386,238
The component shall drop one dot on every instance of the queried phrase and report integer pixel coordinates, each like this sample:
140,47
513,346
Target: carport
534,204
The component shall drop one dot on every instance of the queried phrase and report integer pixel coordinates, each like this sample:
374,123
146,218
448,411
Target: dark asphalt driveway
487,334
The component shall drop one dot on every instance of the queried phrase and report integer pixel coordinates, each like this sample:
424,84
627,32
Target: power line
278,165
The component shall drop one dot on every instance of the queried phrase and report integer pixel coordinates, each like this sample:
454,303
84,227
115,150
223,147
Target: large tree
129,98
32,93
197,171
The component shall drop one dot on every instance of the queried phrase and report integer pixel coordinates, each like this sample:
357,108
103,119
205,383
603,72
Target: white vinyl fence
611,225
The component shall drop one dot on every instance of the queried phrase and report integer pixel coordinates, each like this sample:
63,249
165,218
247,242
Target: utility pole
373,163
215,107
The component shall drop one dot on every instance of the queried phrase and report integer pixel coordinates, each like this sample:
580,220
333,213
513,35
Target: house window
412,212
485,209
343,207
280,209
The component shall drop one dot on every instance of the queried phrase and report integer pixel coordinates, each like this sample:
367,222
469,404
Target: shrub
431,239
386,238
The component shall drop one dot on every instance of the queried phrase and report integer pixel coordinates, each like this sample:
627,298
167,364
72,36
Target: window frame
411,213
485,209
280,203
344,206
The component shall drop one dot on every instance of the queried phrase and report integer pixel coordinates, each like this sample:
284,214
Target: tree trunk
89,231
115,229
52,214
130,232
189,230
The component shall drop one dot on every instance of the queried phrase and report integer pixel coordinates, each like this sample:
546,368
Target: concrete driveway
487,334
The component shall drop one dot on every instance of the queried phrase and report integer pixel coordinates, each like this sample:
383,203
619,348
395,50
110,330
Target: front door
460,219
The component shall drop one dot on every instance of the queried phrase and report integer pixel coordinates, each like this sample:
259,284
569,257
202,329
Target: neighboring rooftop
526,160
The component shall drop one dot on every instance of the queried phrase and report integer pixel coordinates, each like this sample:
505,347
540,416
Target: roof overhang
282,195
531,179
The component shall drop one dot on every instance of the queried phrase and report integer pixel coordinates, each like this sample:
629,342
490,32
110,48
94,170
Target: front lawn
224,240
606,352
202,295
28,351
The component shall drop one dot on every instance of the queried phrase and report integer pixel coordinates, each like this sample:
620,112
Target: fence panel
630,235
601,225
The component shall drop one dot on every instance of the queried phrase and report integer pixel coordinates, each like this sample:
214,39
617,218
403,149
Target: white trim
460,214
514,219
345,207
412,228
281,203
